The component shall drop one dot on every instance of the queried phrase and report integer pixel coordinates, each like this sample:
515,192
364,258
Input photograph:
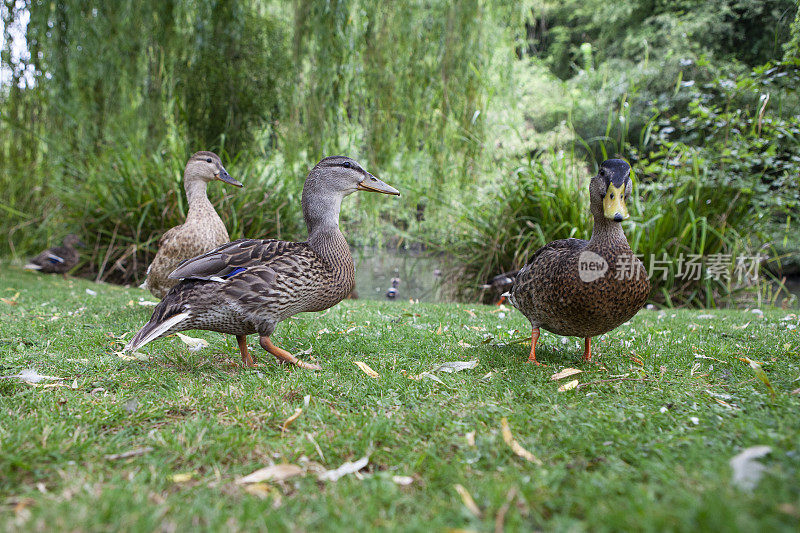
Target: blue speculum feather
237,270
53,260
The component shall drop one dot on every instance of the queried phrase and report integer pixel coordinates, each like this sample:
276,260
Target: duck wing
49,257
235,257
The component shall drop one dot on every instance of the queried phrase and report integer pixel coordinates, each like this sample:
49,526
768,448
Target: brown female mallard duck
249,286
583,288
203,229
58,259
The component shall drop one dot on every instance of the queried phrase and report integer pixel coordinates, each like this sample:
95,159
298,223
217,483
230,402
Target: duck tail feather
153,330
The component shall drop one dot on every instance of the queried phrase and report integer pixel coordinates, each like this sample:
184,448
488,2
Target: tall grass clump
540,201
675,218
680,218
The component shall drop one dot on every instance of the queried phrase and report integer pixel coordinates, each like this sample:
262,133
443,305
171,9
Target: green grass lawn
644,441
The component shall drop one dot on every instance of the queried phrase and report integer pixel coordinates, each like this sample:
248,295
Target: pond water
415,275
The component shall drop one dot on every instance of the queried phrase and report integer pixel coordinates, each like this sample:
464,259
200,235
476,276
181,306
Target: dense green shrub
747,31
742,133
630,61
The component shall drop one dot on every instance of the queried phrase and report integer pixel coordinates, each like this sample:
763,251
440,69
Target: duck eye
347,164
208,160
612,195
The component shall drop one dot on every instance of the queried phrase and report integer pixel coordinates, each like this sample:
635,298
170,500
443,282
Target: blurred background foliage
489,115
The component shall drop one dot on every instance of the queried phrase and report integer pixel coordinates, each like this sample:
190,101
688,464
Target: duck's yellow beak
373,184
614,207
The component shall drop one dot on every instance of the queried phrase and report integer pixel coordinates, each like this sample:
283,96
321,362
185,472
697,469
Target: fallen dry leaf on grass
761,375
297,413
345,469
55,385
466,497
279,472
746,470
12,300
131,453
470,438
181,478
514,445
260,490
430,376
30,375
456,366
725,404
403,480
194,344
501,513
569,385
424,375
366,369
565,374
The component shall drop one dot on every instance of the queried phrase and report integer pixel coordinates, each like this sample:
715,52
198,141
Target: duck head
73,240
329,182
207,167
610,189
340,176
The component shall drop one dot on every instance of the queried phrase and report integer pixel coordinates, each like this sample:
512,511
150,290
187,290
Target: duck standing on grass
58,259
583,288
249,286
203,229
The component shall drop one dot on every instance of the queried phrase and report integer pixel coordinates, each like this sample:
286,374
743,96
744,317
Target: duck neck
321,213
196,194
607,233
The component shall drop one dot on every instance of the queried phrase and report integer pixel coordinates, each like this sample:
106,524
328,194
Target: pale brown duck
203,229
249,286
584,288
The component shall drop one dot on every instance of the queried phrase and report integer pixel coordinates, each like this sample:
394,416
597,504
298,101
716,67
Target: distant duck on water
391,293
